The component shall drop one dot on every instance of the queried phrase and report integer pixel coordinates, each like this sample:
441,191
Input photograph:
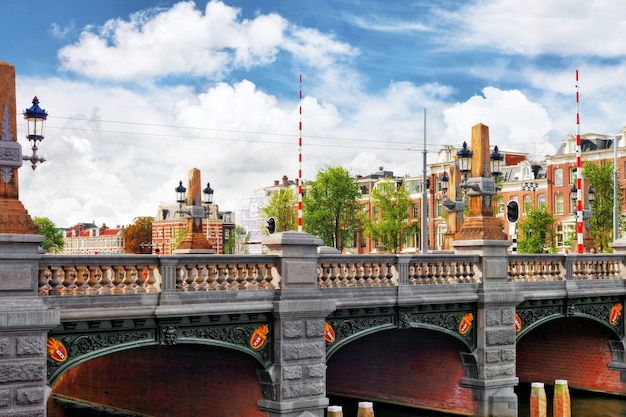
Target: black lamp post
496,161
35,124
464,156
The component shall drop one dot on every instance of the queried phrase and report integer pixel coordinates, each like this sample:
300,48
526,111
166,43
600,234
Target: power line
385,142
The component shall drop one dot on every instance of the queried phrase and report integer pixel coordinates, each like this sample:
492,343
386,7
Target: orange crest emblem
466,323
329,333
56,350
259,336
615,314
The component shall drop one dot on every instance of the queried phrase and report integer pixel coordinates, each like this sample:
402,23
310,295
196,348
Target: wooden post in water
366,409
561,402
538,402
335,411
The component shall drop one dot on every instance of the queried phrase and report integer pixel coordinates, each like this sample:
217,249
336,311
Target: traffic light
512,211
271,225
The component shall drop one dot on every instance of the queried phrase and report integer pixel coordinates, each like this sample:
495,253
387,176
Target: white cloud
515,123
179,40
532,27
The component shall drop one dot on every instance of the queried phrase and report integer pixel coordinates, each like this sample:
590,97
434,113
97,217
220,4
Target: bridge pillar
298,375
494,383
24,325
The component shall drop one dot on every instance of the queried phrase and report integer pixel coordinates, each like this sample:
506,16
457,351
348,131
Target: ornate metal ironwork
87,340
532,313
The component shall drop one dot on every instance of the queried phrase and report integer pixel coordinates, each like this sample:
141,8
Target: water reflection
583,405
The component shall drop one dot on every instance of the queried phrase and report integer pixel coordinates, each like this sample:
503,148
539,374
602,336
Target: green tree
54,242
536,231
393,202
237,241
600,177
330,206
283,208
138,233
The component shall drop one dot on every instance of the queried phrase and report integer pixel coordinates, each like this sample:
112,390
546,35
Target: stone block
6,347
499,337
24,371
304,350
291,373
29,395
293,329
508,316
31,345
509,355
493,317
314,328
302,390
493,356
5,399
316,371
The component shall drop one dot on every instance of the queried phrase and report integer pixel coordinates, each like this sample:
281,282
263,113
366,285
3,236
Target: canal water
583,405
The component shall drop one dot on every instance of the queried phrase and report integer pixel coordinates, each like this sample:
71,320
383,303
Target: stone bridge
448,331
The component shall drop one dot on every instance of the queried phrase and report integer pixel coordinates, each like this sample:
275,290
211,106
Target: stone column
495,355
298,374
194,241
13,216
24,325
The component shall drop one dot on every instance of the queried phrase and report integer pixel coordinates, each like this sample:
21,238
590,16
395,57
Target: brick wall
181,380
575,349
411,366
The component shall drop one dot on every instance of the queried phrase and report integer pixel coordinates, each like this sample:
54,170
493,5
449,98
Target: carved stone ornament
10,150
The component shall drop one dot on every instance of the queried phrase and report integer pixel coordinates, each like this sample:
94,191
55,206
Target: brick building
90,239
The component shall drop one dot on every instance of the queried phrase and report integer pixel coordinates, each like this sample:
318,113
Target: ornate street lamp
445,181
207,196
496,161
181,194
464,156
35,124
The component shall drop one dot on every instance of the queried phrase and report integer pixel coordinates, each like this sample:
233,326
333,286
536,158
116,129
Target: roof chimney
285,181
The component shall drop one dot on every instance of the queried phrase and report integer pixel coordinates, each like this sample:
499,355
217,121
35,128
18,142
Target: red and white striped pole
300,164
579,178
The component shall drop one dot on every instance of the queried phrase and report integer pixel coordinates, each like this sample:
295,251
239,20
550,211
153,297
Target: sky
140,92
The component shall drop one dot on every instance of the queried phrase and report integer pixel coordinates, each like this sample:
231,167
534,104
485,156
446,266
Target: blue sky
139,92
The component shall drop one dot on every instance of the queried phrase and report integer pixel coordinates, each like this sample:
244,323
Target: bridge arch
573,348
417,367
181,379
83,341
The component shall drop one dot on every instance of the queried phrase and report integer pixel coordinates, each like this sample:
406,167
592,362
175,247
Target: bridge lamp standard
197,209
35,125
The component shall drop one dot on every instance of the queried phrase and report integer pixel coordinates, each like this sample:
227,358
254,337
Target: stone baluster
129,279
106,272
56,281
118,280
68,281
151,280
242,276
45,275
93,280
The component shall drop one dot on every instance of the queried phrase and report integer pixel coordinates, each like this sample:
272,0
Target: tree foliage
536,231
137,233
283,208
393,202
600,177
331,210
237,241
54,242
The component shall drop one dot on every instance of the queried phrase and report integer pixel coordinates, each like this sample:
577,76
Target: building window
416,210
573,174
558,177
439,208
564,235
541,200
558,204
528,204
500,204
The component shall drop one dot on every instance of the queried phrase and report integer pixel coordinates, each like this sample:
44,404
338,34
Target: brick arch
573,348
168,380
414,367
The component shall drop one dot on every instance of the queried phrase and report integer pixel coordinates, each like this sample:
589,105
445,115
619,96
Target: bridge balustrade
77,275
538,268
